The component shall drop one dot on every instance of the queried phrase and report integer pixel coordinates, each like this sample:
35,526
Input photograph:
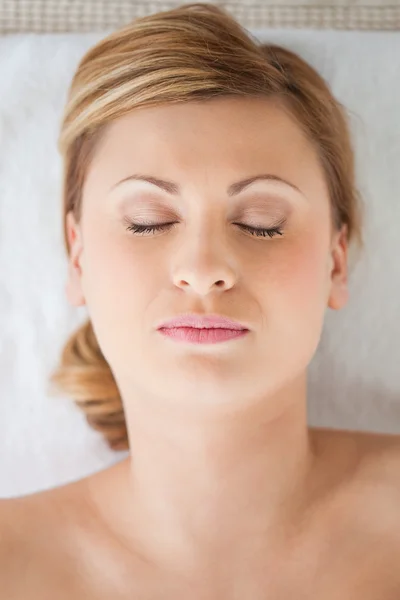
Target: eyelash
256,231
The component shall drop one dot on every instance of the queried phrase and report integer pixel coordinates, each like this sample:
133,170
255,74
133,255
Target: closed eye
139,229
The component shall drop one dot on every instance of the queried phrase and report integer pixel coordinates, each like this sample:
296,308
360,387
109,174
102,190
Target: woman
207,177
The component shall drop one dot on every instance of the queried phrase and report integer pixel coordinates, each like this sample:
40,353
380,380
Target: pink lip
196,335
203,322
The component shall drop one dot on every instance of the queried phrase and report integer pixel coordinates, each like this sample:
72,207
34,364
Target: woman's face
278,286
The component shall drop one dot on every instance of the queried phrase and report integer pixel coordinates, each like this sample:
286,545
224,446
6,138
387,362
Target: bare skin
344,545
226,494
222,460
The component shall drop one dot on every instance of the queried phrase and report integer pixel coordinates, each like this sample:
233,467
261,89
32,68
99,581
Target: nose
205,267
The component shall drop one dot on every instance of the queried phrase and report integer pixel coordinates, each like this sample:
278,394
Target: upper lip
201,322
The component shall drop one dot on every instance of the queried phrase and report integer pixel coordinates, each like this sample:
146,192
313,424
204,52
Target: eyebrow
235,188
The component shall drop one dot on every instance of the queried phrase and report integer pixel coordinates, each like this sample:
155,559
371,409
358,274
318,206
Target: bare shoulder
51,546
15,537
38,535
379,469
13,521
379,452
370,472
7,511
373,457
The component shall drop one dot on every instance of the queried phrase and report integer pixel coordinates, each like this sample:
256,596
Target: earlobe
338,297
73,288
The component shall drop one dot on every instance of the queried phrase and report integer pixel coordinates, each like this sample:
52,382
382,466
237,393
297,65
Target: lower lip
202,336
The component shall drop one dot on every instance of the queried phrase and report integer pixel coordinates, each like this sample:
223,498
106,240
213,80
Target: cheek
296,270
304,277
119,283
293,293
121,273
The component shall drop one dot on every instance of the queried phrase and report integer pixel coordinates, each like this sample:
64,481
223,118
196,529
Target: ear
338,270
73,286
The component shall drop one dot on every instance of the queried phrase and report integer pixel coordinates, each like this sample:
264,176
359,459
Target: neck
196,490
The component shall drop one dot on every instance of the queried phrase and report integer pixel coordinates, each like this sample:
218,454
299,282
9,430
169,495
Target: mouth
206,335
201,321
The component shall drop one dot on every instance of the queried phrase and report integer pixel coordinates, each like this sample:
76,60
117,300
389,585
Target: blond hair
192,52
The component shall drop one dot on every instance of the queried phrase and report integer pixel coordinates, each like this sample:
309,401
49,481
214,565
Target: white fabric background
354,377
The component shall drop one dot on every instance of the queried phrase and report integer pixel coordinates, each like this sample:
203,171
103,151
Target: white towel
354,378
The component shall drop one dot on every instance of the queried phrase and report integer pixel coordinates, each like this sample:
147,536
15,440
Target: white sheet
354,377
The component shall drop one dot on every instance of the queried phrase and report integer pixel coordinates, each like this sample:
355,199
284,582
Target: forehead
241,122
218,139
